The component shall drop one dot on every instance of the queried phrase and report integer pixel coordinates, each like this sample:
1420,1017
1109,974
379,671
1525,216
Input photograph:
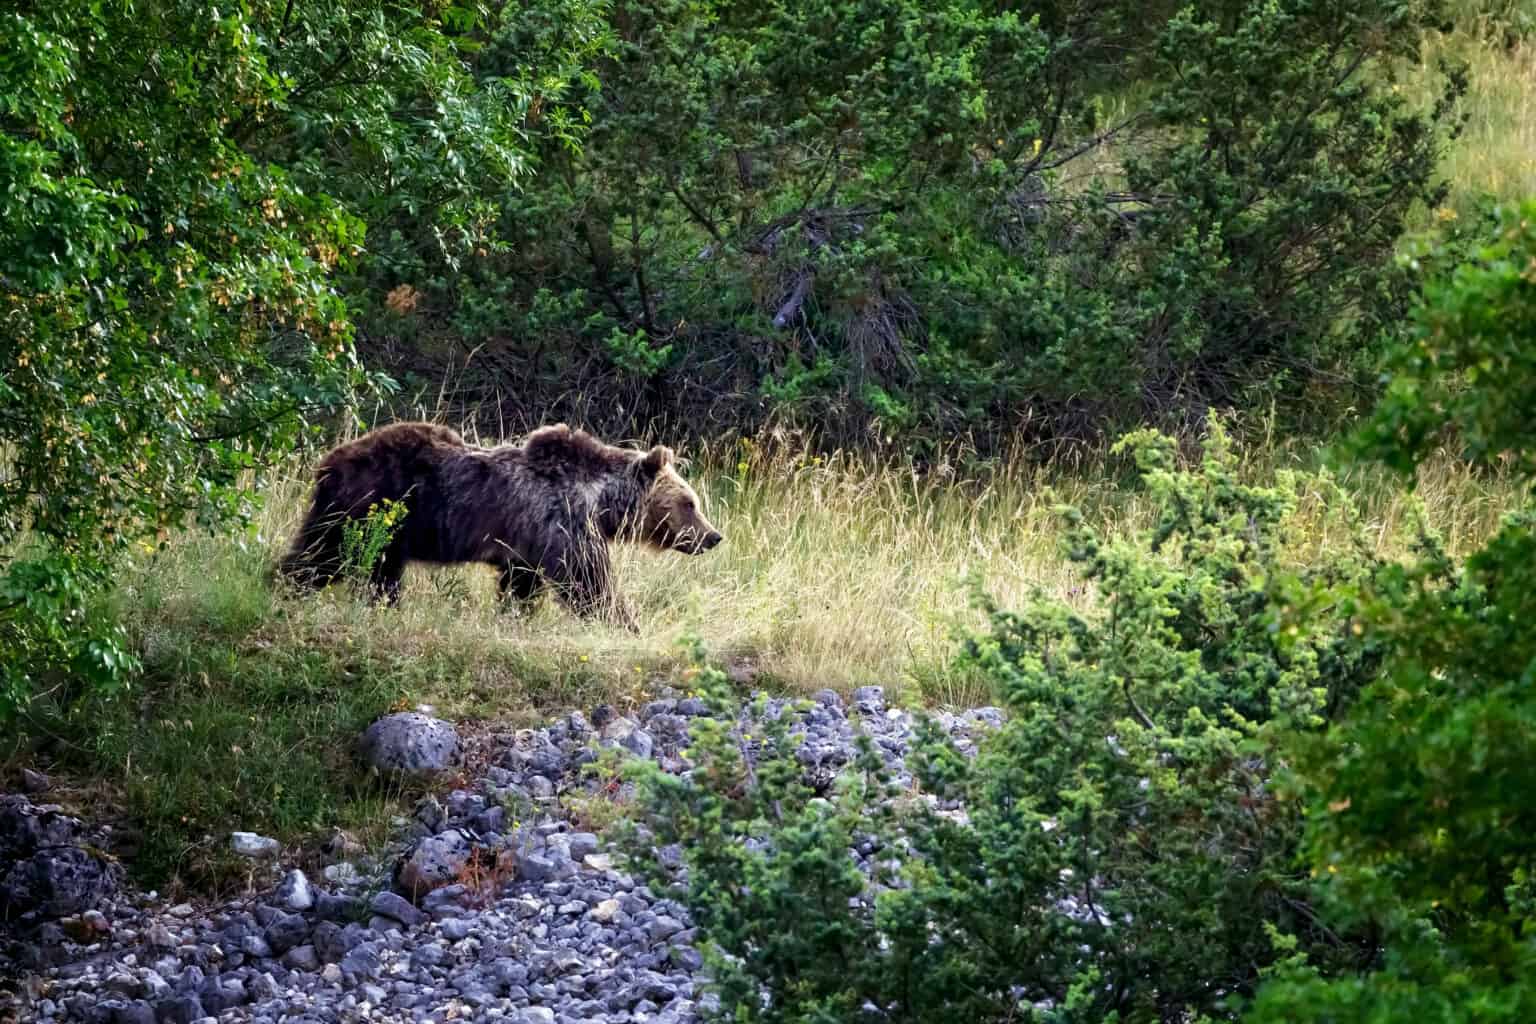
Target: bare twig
797,297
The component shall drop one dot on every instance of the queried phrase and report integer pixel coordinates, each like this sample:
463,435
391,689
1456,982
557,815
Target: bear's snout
694,542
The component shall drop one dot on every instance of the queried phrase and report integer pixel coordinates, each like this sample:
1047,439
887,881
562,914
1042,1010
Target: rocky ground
494,904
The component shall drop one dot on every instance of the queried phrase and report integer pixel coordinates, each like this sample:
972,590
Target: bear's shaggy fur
542,512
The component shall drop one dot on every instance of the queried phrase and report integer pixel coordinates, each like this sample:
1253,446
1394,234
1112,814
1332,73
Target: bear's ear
656,460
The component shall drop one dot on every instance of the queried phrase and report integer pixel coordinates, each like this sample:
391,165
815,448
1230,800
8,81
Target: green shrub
183,191
1133,779
1421,826
364,540
914,219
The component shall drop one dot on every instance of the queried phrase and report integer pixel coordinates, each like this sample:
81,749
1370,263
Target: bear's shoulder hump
562,448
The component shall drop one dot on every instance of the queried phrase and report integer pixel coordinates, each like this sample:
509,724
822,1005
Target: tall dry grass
1496,153
836,572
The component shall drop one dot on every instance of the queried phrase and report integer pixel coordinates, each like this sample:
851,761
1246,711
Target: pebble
249,844
295,892
395,906
286,932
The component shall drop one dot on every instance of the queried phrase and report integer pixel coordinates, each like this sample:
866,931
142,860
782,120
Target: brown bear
541,512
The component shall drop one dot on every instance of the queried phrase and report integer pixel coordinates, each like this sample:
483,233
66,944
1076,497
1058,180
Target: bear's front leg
519,583
587,590
384,580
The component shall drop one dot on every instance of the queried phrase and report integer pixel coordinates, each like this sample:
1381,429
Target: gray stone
395,906
218,994
869,700
337,908
582,844
670,731
382,924
255,945
534,867
34,782
446,901
410,744
295,892
663,927
56,881
261,987
154,985
301,958
429,813
492,819
431,954
657,707
103,1012
288,931
992,718
135,1011
626,733
361,962
687,958
249,844
433,862
354,935
179,1010
552,945
342,873
330,941
692,707
639,743
26,828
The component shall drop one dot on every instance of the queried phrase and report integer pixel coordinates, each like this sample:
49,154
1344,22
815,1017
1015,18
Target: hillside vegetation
894,278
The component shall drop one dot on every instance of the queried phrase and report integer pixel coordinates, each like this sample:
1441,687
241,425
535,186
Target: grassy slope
835,574
1496,154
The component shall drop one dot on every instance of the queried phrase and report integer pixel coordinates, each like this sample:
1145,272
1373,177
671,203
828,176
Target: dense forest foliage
916,221
899,227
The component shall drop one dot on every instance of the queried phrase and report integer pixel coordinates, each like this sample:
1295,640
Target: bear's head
671,515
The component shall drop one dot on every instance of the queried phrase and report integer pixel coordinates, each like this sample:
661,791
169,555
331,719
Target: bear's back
400,444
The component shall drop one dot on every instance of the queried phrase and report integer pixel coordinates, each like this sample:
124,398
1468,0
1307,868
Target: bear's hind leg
314,560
